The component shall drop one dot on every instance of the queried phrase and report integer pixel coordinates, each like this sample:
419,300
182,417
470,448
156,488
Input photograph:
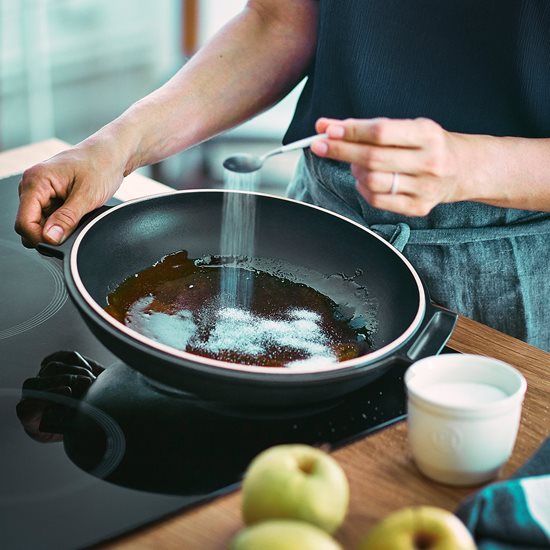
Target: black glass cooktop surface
119,452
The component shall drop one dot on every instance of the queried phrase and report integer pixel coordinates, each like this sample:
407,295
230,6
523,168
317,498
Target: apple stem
423,541
306,466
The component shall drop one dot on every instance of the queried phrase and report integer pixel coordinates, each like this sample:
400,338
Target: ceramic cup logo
446,439
463,416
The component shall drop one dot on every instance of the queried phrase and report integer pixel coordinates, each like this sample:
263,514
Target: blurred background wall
67,67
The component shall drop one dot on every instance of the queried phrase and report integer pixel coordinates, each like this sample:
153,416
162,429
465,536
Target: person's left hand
406,166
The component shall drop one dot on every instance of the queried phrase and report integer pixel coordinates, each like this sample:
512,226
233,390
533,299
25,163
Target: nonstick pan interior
353,262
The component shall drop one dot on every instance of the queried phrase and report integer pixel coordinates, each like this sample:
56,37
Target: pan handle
433,335
61,250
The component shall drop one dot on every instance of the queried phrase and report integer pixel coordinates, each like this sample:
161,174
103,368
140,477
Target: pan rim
362,360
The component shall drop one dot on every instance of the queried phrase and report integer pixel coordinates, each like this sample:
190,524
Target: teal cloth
490,264
513,514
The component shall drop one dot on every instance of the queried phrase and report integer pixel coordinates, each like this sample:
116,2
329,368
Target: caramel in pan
177,302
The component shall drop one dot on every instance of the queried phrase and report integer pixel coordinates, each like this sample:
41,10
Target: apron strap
397,235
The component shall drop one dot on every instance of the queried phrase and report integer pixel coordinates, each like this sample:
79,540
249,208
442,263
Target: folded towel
513,514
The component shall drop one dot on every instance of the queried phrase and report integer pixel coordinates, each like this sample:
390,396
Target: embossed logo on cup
446,439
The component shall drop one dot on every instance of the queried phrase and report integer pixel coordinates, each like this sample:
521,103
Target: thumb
62,222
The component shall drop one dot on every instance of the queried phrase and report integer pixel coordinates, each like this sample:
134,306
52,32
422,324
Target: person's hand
406,166
64,373
55,194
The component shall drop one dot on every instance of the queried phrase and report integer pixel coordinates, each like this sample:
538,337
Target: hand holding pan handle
61,250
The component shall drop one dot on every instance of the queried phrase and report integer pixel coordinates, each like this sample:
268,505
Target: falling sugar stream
237,238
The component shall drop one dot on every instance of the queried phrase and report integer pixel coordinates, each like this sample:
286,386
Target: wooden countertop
382,475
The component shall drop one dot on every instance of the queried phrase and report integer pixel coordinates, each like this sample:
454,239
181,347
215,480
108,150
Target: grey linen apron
486,263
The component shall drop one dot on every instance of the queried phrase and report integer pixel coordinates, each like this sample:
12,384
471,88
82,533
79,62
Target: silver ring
394,183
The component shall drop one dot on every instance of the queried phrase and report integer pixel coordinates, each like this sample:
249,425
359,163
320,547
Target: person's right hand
55,194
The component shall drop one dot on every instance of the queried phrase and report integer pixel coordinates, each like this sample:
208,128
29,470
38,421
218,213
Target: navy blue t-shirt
474,66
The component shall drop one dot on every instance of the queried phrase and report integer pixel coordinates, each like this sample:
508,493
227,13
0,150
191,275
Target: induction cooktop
121,452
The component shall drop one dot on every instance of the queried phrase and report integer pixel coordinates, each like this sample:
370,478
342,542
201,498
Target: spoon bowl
244,163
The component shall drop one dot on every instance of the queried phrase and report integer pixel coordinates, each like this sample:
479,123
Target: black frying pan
128,238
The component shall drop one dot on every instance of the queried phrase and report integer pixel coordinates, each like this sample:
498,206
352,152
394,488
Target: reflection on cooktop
34,475
126,431
122,452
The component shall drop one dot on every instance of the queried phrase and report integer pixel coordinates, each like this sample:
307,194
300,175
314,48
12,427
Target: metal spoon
244,163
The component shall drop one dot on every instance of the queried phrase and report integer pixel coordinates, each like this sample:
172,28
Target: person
438,123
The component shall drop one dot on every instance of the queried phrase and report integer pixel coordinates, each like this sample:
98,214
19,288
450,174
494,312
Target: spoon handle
300,144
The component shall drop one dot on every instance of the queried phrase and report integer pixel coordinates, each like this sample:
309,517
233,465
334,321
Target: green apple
295,482
419,528
283,534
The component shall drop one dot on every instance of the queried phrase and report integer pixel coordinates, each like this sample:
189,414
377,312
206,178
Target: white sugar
235,330
237,236
242,332
176,330
463,393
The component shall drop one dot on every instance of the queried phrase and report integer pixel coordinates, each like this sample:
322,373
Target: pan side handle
61,250
433,335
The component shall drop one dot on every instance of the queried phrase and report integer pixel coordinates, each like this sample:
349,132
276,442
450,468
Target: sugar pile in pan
234,331
252,335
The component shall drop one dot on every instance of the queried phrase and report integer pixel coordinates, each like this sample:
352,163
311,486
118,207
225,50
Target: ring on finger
394,183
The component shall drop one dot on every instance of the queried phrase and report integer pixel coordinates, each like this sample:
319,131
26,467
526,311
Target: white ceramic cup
463,416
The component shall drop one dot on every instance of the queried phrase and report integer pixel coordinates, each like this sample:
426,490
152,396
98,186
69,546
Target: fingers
56,375
400,203
55,194
373,157
413,133
42,188
61,223
72,358
66,372
64,220
323,123
61,369
413,196
35,198
381,182
426,157
413,147
72,385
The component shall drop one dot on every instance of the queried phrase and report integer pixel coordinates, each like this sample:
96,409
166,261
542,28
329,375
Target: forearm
250,64
506,171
